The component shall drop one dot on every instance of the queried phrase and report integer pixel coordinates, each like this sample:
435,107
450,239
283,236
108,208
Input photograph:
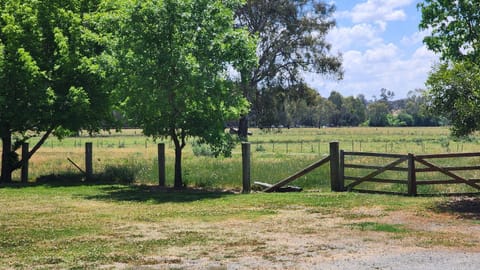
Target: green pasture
66,226
60,221
128,156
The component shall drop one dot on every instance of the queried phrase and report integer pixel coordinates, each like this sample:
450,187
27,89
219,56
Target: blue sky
381,47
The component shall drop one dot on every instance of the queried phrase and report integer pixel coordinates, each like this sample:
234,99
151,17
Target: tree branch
42,140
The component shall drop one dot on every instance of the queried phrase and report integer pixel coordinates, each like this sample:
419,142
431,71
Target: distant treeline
303,106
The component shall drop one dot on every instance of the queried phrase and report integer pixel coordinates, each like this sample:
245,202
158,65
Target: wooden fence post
412,177
246,167
335,183
341,172
161,164
24,174
88,160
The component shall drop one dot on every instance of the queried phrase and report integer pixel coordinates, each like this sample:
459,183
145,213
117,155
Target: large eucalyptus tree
291,41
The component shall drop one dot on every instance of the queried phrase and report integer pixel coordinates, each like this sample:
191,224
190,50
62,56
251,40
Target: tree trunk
178,181
178,184
6,157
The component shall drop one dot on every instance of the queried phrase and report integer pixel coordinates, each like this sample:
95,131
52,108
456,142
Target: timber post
161,164
412,178
88,160
24,173
341,172
246,167
336,184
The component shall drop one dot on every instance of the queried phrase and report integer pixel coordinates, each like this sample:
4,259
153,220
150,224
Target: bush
119,174
201,149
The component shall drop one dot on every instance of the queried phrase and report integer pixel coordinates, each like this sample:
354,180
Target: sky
381,46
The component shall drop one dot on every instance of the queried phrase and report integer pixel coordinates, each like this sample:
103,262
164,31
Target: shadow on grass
155,194
464,207
123,175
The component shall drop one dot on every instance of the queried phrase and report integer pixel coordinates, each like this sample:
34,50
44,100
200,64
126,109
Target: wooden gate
409,167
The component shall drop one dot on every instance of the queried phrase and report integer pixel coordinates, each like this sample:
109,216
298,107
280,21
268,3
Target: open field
139,227
129,156
63,223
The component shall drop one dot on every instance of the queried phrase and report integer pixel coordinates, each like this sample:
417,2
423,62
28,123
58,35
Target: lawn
59,226
59,221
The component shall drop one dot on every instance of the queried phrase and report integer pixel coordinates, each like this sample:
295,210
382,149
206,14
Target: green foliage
405,119
49,69
453,84
175,58
201,149
454,28
455,94
378,114
291,40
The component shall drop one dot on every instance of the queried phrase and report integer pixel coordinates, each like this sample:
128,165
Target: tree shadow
464,207
155,194
123,175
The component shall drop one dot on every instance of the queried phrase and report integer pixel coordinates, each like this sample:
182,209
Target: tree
454,92
377,114
291,40
337,99
176,57
417,105
454,34
455,28
50,80
353,111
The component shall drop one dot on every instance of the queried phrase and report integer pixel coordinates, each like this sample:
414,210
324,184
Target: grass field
128,156
63,223
128,227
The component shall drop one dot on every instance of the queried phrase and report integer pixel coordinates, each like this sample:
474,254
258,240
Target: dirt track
301,239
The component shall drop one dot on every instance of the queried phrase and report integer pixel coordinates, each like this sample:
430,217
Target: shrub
201,149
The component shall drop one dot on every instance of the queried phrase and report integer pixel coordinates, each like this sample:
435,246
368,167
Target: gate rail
409,166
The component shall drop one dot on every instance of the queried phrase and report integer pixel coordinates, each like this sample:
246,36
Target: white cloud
370,62
378,10
415,38
382,67
359,34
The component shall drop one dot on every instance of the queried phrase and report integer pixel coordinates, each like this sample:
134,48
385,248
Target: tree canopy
177,58
291,40
455,28
455,93
50,76
453,84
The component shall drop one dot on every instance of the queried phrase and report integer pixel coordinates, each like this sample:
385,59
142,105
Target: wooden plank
369,154
336,182
297,175
448,173
161,164
412,176
465,168
374,167
378,180
88,160
444,182
282,189
78,167
449,155
24,171
246,167
375,173
439,182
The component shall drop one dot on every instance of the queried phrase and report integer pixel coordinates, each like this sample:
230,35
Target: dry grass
91,227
